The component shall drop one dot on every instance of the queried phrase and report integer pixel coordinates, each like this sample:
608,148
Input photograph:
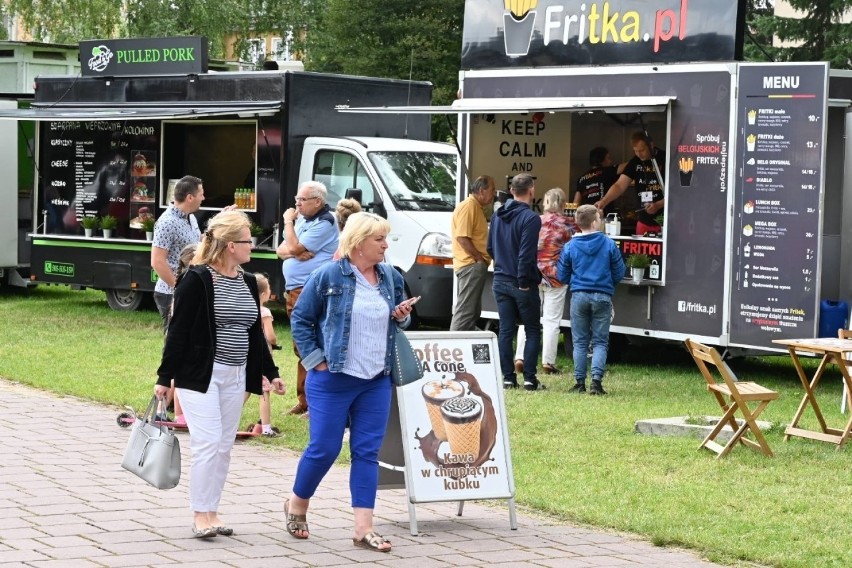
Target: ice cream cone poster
454,422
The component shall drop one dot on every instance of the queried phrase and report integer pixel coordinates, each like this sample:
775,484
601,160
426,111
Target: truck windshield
418,181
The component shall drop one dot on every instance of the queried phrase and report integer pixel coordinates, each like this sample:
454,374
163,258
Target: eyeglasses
241,242
302,199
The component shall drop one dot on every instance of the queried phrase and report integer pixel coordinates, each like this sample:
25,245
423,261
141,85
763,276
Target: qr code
481,353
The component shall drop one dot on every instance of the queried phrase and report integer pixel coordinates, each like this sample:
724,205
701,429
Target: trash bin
833,315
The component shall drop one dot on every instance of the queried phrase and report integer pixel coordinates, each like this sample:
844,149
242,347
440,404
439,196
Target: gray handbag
153,452
407,368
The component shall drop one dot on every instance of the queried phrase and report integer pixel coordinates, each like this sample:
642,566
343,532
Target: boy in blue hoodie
513,243
592,266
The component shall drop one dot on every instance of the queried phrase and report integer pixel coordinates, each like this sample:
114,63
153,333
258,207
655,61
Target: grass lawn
575,457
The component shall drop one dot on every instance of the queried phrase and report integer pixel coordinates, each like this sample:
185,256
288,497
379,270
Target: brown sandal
372,541
296,522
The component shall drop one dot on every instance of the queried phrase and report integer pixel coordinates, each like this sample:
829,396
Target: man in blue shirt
310,240
513,244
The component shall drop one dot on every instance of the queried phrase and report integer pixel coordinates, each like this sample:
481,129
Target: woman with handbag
216,352
342,328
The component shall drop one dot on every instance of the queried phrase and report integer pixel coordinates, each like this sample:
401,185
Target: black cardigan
191,339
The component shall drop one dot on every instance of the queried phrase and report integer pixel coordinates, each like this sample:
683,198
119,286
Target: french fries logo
685,166
752,117
518,24
520,8
751,142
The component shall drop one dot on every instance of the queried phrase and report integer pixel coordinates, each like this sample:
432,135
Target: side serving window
340,171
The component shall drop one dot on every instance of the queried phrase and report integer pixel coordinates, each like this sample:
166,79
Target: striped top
369,330
235,311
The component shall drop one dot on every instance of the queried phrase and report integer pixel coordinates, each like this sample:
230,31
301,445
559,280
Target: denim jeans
513,305
591,313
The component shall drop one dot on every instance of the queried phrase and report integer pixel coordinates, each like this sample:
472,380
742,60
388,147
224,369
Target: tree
164,18
69,21
758,40
416,39
818,34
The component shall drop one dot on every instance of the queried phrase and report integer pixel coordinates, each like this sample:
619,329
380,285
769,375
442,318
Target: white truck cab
412,183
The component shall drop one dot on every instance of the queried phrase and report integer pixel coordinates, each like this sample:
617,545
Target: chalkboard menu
782,133
98,168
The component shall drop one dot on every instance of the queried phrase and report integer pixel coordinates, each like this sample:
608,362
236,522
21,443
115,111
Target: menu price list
86,168
781,138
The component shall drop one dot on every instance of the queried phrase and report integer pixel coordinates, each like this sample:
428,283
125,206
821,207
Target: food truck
755,192
20,63
145,112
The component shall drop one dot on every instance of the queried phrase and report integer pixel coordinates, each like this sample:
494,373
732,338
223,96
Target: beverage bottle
237,197
252,199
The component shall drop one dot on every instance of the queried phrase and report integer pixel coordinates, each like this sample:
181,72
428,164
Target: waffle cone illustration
462,422
436,393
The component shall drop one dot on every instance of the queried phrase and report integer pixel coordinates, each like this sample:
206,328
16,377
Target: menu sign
97,168
782,133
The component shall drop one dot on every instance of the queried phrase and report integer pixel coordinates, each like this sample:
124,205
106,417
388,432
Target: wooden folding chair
845,334
733,396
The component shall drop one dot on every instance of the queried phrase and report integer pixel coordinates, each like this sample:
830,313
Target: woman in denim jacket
342,327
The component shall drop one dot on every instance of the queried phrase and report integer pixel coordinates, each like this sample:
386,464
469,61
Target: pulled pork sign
539,33
143,56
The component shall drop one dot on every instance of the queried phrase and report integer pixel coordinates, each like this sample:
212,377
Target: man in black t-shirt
640,172
593,184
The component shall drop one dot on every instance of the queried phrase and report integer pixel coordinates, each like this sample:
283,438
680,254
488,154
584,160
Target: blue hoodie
591,262
513,244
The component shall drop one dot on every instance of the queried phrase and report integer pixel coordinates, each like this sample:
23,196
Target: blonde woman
554,234
342,327
216,352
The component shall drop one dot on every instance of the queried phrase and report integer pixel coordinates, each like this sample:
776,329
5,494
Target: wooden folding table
833,351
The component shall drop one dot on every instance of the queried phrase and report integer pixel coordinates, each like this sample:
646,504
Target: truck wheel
125,300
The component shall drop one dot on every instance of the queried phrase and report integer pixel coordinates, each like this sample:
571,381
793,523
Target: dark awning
613,105
139,112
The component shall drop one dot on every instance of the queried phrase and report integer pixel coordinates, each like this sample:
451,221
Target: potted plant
147,225
108,225
256,231
637,263
90,223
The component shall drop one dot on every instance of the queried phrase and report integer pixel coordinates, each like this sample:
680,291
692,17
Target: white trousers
213,419
552,306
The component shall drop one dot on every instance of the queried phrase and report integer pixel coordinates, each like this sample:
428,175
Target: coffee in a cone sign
453,420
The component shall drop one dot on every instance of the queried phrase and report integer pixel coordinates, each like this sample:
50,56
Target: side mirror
378,208
354,193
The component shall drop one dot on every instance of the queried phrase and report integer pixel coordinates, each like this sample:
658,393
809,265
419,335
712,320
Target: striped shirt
235,311
368,332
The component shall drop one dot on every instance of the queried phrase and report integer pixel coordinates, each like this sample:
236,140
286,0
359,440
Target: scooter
126,419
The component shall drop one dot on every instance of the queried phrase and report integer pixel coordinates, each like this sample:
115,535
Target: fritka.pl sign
144,56
561,32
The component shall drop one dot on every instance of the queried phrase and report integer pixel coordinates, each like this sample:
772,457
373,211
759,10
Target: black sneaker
597,388
530,386
510,384
578,388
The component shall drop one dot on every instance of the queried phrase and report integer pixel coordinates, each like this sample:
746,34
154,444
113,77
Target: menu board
97,168
782,132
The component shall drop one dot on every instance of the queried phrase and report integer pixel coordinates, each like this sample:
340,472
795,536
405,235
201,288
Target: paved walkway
66,502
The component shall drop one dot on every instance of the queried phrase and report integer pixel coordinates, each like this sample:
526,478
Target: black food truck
756,196
112,143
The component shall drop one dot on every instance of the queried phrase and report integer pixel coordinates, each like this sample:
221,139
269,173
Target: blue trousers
334,399
591,313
